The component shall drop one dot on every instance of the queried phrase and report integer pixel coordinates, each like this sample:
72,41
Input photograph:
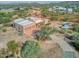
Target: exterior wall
19,28
28,31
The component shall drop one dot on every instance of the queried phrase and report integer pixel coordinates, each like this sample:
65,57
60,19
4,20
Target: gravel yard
9,35
49,47
50,50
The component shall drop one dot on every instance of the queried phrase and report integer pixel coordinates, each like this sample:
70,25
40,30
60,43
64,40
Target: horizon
42,2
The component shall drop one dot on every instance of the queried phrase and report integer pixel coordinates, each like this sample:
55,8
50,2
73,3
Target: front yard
9,35
49,47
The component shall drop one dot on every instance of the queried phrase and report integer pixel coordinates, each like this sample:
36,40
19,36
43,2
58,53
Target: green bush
4,30
75,36
44,33
13,47
4,17
75,41
30,49
75,44
76,28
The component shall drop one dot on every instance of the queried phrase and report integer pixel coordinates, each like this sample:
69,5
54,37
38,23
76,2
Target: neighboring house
62,9
70,10
27,26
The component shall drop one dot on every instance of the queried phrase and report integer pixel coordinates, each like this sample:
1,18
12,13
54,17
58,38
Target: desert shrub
30,49
44,33
75,36
76,28
75,42
13,47
4,30
68,31
4,17
3,53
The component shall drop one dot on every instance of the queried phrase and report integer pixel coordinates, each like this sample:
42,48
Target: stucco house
27,26
62,9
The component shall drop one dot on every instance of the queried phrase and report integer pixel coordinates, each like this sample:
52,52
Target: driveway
59,39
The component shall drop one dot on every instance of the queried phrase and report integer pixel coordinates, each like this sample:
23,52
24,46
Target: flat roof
22,21
27,21
35,19
18,20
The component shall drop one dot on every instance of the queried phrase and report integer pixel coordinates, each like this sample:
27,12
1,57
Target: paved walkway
59,39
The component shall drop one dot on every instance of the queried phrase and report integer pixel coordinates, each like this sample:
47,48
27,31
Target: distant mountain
19,2
11,4
60,3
